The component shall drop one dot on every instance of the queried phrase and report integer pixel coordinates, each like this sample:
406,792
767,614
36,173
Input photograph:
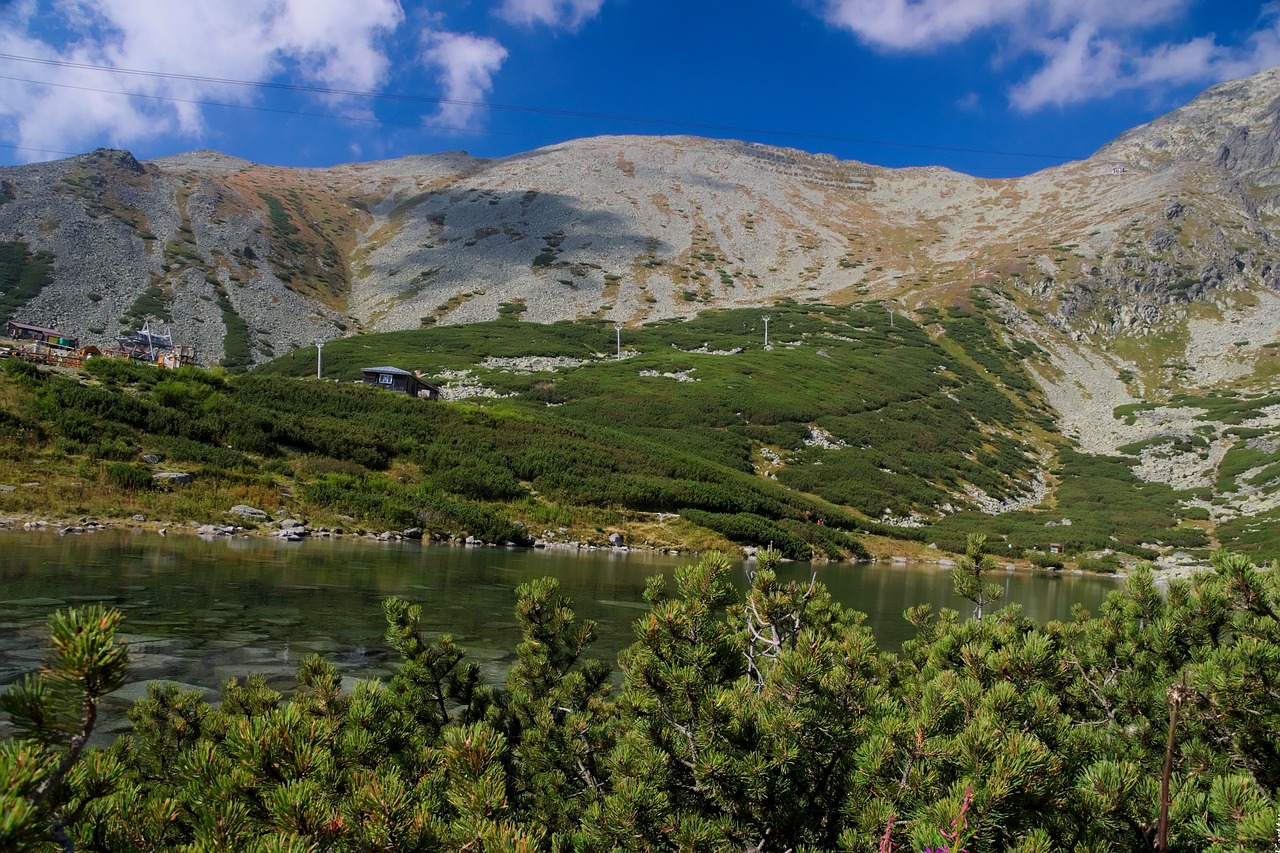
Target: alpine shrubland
765,721
853,421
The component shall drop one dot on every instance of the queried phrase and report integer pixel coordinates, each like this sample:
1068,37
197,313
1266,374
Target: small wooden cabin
23,332
395,379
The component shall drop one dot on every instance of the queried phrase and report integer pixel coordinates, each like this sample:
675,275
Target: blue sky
988,87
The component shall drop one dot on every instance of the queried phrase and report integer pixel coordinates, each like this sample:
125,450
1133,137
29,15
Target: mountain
643,228
1139,276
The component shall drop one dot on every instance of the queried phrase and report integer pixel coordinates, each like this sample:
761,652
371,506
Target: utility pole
766,331
319,360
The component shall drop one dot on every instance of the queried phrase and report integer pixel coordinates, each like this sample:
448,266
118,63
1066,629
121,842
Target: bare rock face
1234,126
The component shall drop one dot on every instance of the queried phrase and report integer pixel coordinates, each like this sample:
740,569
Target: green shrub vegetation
129,477
280,219
236,346
1107,565
305,257
972,332
1046,561
1228,408
23,274
152,303
892,396
1243,457
850,417
753,530
1104,501
24,372
1253,534
512,310
758,721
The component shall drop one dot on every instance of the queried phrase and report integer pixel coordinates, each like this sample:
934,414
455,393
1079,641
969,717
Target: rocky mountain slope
1145,271
641,228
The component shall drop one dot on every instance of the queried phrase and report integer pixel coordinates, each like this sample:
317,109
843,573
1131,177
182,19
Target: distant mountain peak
1234,125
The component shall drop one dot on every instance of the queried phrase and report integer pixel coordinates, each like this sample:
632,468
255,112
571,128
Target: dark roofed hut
23,332
395,379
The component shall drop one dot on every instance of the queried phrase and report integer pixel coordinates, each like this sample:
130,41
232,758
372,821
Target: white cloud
924,24
1087,66
558,14
339,38
914,24
1075,68
465,65
1083,49
332,43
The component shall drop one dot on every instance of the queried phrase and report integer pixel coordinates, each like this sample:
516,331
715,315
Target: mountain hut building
22,332
395,379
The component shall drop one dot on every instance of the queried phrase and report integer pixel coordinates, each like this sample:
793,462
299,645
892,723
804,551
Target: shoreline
292,530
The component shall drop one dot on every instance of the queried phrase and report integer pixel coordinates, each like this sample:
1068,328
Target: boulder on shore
249,512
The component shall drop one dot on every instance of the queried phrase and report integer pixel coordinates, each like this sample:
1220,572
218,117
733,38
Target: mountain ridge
631,228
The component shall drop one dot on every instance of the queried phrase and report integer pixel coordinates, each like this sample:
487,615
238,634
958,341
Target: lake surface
201,611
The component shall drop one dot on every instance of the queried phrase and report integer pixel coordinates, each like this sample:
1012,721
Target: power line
39,150
549,111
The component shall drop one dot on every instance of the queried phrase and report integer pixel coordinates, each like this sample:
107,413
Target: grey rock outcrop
249,512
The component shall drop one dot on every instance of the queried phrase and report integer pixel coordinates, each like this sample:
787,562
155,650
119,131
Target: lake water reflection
199,612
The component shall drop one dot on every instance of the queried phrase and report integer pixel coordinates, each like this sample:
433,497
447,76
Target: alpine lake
200,611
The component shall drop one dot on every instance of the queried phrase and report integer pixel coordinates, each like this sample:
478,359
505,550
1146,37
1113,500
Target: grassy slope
605,445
